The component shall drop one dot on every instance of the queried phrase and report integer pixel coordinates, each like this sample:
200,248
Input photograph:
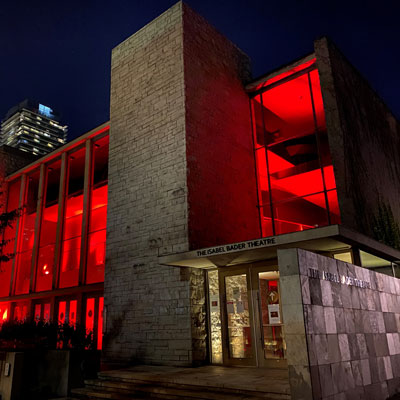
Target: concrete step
122,390
275,385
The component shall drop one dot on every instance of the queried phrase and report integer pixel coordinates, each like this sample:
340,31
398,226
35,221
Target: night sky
58,52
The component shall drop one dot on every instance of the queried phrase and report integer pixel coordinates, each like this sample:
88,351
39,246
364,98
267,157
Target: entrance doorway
251,319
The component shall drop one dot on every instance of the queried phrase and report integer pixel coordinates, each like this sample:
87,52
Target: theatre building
219,218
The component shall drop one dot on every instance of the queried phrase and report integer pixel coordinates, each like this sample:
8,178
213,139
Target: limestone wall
148,306
342,328
222,191
364,139
181,176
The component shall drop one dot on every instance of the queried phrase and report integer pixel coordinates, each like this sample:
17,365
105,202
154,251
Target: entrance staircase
203,383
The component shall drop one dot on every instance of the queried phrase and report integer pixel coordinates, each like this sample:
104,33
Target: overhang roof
325,239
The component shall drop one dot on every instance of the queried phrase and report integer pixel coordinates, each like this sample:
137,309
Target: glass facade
13,200
296,183
48,227
72,222
59,237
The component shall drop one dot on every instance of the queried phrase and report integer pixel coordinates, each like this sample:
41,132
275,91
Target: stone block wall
222,196
364,138
181,176
148,306
345,342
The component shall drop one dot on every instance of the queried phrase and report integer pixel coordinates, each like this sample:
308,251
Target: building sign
342,279
46,111
228,248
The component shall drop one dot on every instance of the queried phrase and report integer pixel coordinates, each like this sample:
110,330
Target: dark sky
58,52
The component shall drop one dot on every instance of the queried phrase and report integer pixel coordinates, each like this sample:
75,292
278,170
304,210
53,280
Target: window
9,236
72,230
98,213
21,311
48,228
94,319
297,189
27,234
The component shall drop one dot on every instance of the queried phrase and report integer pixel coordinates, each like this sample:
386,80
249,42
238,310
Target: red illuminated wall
296,182
221,181
9,237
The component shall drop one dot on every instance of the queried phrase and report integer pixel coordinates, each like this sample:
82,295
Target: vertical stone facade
364,139
222,194
181,175
347,342
148,316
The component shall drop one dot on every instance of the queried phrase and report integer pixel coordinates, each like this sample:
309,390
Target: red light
294,166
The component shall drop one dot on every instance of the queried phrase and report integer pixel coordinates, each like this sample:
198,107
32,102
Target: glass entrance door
237,318
251,318
271,350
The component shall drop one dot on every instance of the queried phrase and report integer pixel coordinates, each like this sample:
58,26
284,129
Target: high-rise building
33,127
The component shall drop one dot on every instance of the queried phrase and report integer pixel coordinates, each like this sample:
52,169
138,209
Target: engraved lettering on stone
343,279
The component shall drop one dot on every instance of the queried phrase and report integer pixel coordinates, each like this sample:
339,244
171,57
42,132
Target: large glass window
72,232
98,213
94,319
14,188
21,311
297,188
48,228
27,234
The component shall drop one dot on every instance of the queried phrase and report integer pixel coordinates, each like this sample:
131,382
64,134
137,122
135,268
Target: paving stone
381,344
319,325
355,297
328,382
321,349
353,346
349,320
362,345
315,292
390,322
326,293
355,394
356,367
365,372
373,366
333,348
344,347
305,289
330,321
336,295
340,320
346,296
316,382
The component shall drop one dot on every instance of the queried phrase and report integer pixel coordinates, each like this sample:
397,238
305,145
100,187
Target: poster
214,303
229,307
239,307
274,314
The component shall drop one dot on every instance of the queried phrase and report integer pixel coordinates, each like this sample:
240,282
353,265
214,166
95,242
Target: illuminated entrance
245,316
